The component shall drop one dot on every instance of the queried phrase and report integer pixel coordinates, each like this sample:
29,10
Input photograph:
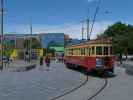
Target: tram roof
93,42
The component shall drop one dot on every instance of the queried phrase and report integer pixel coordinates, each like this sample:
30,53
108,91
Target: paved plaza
43,84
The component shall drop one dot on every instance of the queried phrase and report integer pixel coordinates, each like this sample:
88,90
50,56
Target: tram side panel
90,63
81,61
109,63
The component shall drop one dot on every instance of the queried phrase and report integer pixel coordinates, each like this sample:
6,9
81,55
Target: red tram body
94,55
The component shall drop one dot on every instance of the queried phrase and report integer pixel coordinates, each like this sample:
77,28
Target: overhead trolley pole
82,31
94,18
88,27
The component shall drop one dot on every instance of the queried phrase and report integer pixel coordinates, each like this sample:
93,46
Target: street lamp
30,39
2,32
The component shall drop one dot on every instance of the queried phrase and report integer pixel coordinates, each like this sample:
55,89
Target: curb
24,68
129,69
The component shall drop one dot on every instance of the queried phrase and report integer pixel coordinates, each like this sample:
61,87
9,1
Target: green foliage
117,29
8,52
122,35
33,43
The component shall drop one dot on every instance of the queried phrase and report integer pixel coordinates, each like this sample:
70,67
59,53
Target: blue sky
63,15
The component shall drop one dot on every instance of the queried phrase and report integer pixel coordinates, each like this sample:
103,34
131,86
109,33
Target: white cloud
73,29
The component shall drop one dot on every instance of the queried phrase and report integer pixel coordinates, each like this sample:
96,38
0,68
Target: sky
64,16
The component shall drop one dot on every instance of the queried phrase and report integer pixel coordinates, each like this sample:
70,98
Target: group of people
47,61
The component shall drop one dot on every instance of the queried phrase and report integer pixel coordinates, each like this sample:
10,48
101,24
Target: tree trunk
126,53
120,58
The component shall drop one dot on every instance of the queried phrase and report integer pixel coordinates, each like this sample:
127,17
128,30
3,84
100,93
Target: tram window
93,51
98,50
82,51
75,51
89,51
111,50
86,51
79,51
106,50
68,51
72,51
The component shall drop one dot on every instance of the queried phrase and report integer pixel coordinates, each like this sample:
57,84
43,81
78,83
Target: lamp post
30,39
2,32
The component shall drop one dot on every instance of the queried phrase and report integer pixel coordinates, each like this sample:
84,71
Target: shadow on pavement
94,74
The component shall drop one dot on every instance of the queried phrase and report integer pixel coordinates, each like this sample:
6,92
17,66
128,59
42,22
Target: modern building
56,39
53,41
9,41
16,42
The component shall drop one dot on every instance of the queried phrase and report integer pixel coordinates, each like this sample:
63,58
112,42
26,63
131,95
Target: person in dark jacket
41,61
47,61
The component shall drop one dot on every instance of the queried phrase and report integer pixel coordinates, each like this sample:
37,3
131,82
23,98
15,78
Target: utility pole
82,31
31,30
2,32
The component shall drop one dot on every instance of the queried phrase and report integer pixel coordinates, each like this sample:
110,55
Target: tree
122,35
117,29
35,43
32,42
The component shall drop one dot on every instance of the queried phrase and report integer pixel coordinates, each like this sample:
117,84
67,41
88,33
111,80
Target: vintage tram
93,55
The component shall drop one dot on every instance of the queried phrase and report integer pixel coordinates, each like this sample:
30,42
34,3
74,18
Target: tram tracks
100,90
82,84
72,90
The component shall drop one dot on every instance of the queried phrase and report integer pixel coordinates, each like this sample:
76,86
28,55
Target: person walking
62,58
8,61
41,61
47,62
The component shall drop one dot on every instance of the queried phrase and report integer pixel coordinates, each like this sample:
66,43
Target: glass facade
53,39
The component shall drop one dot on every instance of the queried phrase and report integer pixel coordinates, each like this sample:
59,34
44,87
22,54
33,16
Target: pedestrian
41,61
47,61
62,58
8,61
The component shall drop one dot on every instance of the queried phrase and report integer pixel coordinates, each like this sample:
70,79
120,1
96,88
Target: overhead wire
94,18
